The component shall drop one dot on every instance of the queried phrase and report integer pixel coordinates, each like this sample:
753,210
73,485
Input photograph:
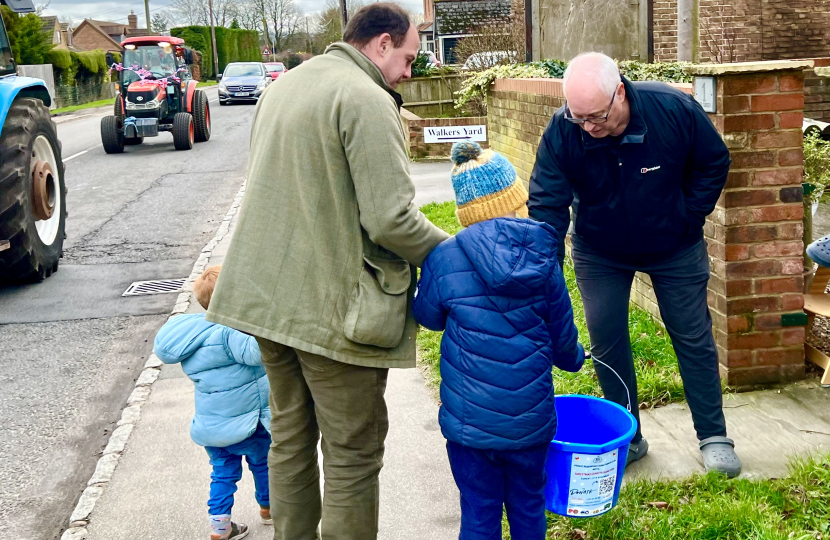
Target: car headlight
223,86
261,85
152,104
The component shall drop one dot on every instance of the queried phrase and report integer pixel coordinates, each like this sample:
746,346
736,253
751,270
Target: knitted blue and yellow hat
485,184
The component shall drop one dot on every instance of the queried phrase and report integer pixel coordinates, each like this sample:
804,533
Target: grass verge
202,84
89,105
658,379
711,507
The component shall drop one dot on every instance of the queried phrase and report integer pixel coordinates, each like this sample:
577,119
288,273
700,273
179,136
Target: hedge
74,68
233,46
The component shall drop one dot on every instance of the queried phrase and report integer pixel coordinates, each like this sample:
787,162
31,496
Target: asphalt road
72,346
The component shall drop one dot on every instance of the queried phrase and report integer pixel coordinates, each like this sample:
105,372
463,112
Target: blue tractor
32,189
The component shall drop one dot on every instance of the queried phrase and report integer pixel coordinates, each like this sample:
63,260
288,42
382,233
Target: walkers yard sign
449,134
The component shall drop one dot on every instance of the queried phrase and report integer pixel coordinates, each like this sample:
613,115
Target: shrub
232,45
421,67
658,71
29,44
293,61
816,165
474,88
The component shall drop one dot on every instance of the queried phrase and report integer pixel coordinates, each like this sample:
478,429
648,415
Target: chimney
132,20
428,10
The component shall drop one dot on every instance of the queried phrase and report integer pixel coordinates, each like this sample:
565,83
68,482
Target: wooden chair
817,302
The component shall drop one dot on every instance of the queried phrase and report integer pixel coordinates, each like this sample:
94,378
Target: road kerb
131,413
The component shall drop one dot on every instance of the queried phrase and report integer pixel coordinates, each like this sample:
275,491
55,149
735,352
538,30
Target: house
104,35
425,29
455,19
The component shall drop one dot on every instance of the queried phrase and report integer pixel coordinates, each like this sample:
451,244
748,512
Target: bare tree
718,38
285,18
496,41
197,12
248,14
330,22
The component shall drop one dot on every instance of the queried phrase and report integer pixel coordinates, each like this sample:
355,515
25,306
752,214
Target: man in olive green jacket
320,270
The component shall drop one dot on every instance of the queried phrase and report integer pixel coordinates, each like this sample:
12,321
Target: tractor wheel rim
48,194
191,132
43,190
207,117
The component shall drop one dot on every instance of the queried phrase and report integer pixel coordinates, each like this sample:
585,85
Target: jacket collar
635,133
347,52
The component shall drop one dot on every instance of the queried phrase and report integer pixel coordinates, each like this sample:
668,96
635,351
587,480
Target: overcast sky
117,11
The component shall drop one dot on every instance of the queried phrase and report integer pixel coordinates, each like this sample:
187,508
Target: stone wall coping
553,87
822,71
409,115
749,67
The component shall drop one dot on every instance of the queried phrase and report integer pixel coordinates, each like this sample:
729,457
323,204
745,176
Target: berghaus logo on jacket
645,170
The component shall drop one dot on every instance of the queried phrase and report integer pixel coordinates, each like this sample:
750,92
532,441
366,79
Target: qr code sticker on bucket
606,485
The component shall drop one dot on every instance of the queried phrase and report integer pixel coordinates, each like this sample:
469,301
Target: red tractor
156,93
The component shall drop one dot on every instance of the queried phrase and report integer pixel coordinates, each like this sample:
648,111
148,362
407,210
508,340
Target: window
448,52
6,59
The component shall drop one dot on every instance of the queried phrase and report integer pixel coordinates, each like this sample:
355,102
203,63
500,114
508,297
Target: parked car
275,69
243,81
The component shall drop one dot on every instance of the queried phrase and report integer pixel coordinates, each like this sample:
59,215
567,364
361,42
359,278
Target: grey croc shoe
719,455
636,451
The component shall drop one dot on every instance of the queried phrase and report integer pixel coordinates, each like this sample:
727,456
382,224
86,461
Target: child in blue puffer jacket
497,289
232,417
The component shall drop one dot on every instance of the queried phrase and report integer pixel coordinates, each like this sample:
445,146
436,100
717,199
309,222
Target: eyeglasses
594,120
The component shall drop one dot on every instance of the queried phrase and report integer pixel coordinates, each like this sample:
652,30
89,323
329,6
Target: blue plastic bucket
586,459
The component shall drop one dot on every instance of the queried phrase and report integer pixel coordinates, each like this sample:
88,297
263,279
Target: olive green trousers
312,396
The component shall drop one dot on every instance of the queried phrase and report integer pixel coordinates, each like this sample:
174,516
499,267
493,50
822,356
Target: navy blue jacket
644,194
497,289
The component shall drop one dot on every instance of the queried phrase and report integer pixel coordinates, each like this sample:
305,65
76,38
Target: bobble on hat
464,151
485,184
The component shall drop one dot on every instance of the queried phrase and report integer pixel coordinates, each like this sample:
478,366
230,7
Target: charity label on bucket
593,478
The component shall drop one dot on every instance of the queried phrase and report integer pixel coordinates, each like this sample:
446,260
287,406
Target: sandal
719,456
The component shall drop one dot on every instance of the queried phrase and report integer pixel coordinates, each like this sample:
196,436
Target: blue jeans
680,286
227,470
490,480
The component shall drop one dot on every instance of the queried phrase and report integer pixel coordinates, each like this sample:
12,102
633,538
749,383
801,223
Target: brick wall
414,125
730,31
748,30
754,234
817,93
518,110
796,29
665,30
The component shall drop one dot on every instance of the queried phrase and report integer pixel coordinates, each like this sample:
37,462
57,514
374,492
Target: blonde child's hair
204,285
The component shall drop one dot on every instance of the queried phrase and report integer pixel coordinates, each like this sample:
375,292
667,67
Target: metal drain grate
156,286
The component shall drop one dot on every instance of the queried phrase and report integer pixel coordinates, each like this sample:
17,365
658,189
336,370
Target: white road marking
73,156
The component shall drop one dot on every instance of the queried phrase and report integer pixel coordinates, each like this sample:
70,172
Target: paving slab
769,427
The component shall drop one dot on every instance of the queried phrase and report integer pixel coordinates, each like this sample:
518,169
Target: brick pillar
754,234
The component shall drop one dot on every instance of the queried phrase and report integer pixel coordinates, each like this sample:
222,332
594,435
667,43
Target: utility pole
147,14
213,41
345,16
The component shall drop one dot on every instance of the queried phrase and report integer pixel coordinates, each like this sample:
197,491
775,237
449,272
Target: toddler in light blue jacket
232,417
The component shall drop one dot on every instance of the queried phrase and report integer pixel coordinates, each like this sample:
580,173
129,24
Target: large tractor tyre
112,135
32,194
133,141
201,116
117,109
183,131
